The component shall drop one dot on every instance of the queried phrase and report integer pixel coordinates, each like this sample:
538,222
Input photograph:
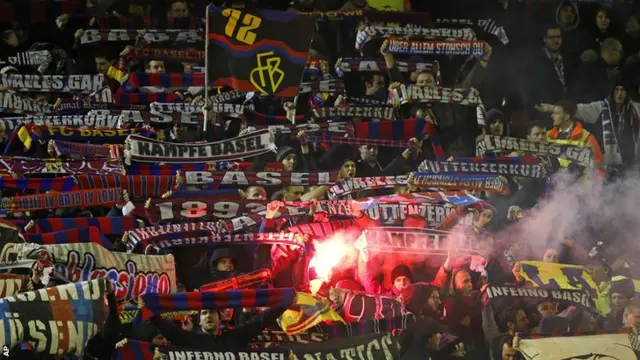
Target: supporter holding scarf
619,117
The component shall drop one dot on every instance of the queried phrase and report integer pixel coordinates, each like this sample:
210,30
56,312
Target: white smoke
585,212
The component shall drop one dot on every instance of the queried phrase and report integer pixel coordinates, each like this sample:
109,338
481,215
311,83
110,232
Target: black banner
257,50
371,347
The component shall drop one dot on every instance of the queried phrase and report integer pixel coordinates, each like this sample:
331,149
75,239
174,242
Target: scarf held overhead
437,47
17,104
156,304
52,83
489,143
136,185
131,275
56,320
80,150
384,113
167,54
191,238
107,225
370,32
353,185
30,166
70,236
100,121
69,199
510,166
96,136
146,150
91,36
263,178
492,183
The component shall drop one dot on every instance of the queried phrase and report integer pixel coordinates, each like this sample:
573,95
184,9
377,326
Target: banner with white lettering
131,275
58,320
508,166
384,113
370,347
94,121
136,350
11,284
15,103
149,36
489,144
52,83
535,295
36,57
262,178
29,166
141,149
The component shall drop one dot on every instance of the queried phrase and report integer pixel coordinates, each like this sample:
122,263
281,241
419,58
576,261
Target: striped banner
69,199
71,236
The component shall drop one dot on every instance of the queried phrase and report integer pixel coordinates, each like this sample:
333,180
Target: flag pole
206,108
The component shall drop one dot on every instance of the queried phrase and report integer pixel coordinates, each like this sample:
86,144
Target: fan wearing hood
576,39
619,117
222,264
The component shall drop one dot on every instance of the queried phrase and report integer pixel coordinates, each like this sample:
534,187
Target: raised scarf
30,166
135,274
375,31
262,178
91,36
350,186
209,238
165,80
93,135
415,93
526,166
321,230
67,199
136,185
453,181
26,58
135,350
377,65
70,236
155,304
73,105
11,284
52,83
329,138
66,183
401,130
334,127
250,280
15,103
626,117
384,113
143,149
488,144
79,150
214,207
126,314
106,225
322,86
138,239
99,121
437,47
488,25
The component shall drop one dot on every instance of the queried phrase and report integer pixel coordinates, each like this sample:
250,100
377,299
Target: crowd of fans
568,74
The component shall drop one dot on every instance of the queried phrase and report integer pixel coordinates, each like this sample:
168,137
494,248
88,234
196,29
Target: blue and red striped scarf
171,169
155,304
82,150
401,130
106,225
137,185
39,184
71,236
165,80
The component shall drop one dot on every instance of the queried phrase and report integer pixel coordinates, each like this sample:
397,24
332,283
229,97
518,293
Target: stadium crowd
388,198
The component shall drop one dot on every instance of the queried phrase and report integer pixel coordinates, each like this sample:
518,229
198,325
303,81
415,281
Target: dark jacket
593,81
544,85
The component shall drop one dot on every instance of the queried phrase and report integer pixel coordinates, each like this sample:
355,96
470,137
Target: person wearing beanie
620,293
401,277
287,156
